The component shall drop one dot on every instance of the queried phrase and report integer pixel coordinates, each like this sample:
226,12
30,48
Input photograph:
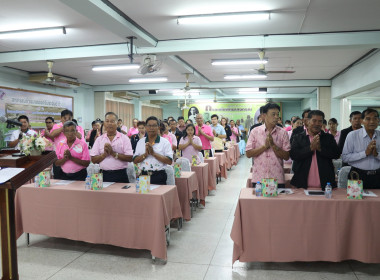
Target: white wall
83,96
172,110
290,109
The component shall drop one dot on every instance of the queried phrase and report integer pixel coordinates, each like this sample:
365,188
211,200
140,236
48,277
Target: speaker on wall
152,91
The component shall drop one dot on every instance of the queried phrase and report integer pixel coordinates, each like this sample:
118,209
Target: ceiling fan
50,76
261,70
150,64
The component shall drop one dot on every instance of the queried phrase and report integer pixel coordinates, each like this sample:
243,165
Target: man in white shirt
18,134
153,153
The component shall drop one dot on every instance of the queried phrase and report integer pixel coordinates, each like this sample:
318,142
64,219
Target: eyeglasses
48,122
108,121
152,126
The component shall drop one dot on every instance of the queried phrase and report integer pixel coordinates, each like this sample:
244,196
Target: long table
297,227
114,216
213,168
222,163
186,185
201,171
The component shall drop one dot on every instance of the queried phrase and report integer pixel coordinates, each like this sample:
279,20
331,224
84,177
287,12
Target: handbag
354,186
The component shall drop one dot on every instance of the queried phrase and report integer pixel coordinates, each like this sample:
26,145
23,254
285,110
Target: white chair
201,157
131,173
185,163
337,164
343,176
170,175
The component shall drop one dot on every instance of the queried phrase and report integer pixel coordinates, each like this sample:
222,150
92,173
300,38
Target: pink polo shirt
61,137
120,144
336,137
78,150
132,131
50,148
88,135
190,151
288,128
267,164
168,137
233,136
313,181
206,144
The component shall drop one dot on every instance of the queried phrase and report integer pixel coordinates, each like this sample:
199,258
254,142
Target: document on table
369,193
314,192
284,191
63,182
8,173
107,184
153,187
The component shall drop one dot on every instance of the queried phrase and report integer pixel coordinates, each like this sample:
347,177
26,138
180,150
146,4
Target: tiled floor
201,250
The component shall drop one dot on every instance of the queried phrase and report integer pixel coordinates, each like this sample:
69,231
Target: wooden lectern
33,165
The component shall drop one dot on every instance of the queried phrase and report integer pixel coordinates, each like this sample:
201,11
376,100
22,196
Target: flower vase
35,153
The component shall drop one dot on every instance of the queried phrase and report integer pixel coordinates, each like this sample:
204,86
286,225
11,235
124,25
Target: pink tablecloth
114,216
186,185
297,227
237,153
222,163
228,159
201,171
212,170
288,177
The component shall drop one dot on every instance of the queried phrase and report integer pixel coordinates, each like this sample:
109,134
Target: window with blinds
147,111
125,111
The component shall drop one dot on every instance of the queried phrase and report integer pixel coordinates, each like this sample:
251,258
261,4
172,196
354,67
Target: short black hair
262,110
269,106
111,113
152,118
316,113
74,120
215,116
333,120
369,111
355,113
66,112
141,123
49,118
189,120
23,117
69,123
172,120
93,122
324,122
288,121
120,120
181,118
305,112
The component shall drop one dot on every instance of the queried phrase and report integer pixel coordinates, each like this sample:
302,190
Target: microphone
10,121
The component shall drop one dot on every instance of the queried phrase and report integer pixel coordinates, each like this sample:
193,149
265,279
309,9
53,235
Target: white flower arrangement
29,143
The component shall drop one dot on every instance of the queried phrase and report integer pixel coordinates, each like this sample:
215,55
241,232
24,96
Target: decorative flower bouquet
31,143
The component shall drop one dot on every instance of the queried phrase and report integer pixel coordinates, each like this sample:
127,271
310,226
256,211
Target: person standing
175,130
112,150
361,150
14,141
235,135
356,123
219,134
227,129
122,127
333,125
181,123
312,152
133,130
269,145
204,132
136,137
49,122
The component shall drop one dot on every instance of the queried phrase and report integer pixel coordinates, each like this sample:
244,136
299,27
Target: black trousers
158,177
57,172
77,176
118,176
203,153
370,181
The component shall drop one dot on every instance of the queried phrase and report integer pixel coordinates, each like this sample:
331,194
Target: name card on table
194,161
44,179
207,154
177,170
178,153
269,186
144,184
97,181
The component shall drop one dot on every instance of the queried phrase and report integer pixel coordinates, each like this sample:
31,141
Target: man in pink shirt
312,152
269,145
49,122
112,150
73,156
204,132
134,129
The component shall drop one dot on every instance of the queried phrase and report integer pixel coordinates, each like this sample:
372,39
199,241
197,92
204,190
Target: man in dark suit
174,129
300,128
356,123
312,152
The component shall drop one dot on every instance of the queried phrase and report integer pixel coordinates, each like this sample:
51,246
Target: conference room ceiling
316,39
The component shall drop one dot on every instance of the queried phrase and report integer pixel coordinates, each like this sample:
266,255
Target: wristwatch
117,155
217,135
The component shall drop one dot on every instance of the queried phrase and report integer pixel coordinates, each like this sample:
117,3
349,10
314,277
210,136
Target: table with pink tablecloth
222,163
113,216
201,171
237,153
186,185
297,227
212,171
288,178
228,159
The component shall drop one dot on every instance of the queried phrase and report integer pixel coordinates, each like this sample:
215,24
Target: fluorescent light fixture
247,61
248,89
185,93
148,80
32,33
245,77
256,100
252,90
115,67
226,18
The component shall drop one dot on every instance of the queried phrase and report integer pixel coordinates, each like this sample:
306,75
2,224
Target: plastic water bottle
87,185
37,181
328,191
137,185
258,189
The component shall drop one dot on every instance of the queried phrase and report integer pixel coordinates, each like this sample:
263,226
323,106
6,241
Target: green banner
247,113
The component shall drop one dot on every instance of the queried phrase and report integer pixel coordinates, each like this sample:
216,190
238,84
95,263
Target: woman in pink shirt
235,132
333,125
190,145
164,130
72,154
134,129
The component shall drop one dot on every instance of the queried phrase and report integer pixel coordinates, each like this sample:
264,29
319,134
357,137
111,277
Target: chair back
131,173
185,164
343,176
170,175
201,157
